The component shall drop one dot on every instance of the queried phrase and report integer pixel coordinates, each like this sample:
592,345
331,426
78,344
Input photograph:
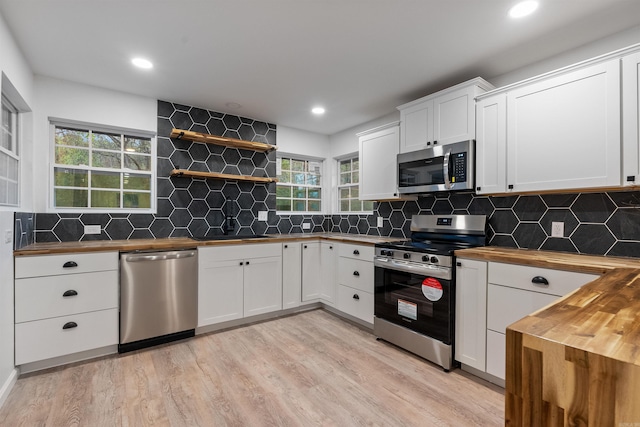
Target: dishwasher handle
160,256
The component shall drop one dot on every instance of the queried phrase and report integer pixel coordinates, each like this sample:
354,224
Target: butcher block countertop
186,243
576,361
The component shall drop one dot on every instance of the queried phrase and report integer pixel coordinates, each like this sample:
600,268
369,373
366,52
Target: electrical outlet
306,226
380,222
557,229
262,215
8,236
92,229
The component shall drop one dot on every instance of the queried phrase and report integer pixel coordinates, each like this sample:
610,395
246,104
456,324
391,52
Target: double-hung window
299,187
348,187
9,160
102,170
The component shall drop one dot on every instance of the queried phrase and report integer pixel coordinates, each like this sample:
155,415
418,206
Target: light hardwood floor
310,369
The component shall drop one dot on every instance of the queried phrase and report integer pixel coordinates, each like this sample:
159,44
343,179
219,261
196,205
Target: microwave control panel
459,173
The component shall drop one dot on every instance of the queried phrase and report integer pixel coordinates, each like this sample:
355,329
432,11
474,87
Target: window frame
321,187
123,132
339,211
14,153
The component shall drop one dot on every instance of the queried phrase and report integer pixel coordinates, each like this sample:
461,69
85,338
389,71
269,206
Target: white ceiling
277,58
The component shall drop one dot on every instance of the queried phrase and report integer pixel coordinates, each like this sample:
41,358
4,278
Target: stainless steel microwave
447,167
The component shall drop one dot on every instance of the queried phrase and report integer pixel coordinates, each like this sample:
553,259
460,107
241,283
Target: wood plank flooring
310,369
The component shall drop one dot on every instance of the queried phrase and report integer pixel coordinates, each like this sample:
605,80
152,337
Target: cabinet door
416,128
564,132
491,145
630,120
328,268
220,291
262,285
291,274
454,116
496,354
471,313
378,164
311,271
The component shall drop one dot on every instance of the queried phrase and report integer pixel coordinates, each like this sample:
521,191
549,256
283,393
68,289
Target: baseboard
67,359
8,385
483,375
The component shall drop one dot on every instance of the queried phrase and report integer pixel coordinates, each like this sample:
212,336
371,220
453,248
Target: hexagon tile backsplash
594,223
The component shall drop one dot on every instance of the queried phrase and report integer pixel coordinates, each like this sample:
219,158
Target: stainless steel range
415,284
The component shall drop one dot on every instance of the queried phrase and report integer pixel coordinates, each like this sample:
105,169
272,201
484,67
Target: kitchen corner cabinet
238,281
631,120
378,162
441,118
65,304
471,313
559,131
291,274
319,272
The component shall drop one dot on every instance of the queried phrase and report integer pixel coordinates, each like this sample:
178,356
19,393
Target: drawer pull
356,252
356,296
70,264
539,280
70,325
70,293
356,273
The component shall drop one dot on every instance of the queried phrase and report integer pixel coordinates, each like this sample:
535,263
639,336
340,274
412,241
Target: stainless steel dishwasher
158,297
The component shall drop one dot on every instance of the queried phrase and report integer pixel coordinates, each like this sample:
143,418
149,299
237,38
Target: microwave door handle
445,170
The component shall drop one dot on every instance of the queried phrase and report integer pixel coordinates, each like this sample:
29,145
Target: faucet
229,222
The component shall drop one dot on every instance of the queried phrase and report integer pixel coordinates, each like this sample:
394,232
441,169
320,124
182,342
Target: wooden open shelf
214,175
219,140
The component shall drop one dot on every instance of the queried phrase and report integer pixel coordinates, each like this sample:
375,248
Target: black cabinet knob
247,262
510,186
356,273
242,263
305,246
478,188
459,264
356,252
70,325
356,296
428,142
69,264
435,142
286,246
70,293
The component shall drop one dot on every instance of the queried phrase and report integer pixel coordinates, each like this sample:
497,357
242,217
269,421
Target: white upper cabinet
491,144
442,118
630,120
378,166
564,132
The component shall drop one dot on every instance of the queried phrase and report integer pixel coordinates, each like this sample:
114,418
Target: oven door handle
407,267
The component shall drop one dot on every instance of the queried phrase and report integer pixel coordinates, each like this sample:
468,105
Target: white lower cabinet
65,304
319,272
356,281
291,274
238,281
490,296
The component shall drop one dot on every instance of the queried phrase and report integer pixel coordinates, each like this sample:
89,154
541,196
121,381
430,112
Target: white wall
66,100
15,69
600,47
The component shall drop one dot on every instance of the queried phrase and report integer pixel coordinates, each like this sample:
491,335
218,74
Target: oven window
422,304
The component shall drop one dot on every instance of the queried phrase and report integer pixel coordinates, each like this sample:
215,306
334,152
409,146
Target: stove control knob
434,260
389,253
407,255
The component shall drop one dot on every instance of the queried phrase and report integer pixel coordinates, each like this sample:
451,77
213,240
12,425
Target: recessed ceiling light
523,8
142,63
317,111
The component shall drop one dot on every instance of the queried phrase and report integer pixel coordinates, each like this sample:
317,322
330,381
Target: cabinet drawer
212,254
44,339
507,305
51,265
496,354
517,276
349,250
355,302
43,297
356,274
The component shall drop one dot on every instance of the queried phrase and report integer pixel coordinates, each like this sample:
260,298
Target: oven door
408,295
